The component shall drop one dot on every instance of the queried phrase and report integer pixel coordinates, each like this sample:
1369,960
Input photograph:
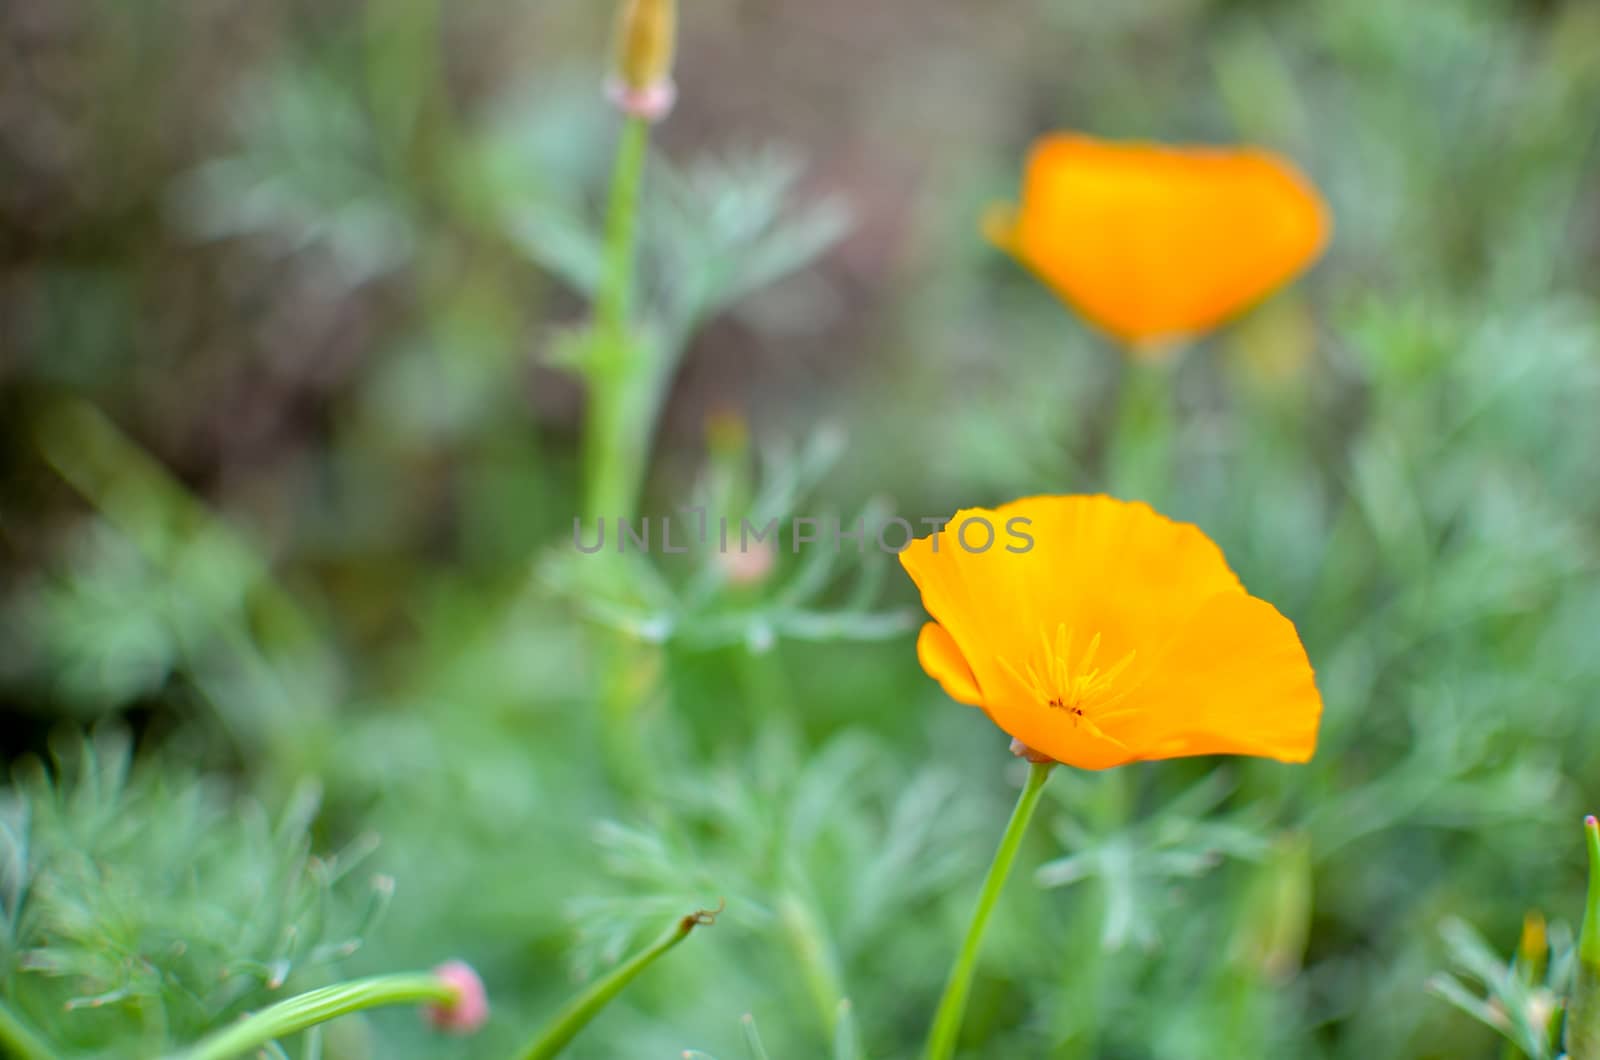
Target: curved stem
953,1004
583,1008
318,1006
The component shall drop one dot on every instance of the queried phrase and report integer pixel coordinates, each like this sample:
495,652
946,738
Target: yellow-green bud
645,42
1533,948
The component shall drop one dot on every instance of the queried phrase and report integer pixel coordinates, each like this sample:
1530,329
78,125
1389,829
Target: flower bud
1533,948
642,52
727,434
748,566
469,1010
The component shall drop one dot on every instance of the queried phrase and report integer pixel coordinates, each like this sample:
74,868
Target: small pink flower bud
748,566
469,1010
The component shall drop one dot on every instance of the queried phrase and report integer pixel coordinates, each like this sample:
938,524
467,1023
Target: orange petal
1095,565
942,660
1153,242
1235,681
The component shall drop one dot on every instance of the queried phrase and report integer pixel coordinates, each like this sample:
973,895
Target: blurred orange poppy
1152,242
1118,636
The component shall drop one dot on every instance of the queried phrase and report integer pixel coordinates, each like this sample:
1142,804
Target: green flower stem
1142,445
625,379
953,1004
1583,1019
318,1006
622,224
16,1040
621,377
559,1032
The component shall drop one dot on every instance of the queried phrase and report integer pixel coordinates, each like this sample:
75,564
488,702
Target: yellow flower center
1071,685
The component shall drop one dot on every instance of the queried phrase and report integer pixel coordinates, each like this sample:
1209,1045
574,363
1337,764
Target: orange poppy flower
1116,635
1153,242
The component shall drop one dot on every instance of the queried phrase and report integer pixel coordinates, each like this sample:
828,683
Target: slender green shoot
318,1006
560,1031
618,372
615,303
953,1004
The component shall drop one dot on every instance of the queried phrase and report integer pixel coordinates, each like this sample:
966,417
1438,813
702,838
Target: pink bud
469,1010
748,566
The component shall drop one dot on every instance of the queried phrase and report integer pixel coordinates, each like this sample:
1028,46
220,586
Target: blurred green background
291,456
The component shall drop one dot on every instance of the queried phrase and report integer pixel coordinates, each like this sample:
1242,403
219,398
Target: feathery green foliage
143,906
299,367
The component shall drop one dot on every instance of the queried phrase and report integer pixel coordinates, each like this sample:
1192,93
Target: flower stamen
1079,687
